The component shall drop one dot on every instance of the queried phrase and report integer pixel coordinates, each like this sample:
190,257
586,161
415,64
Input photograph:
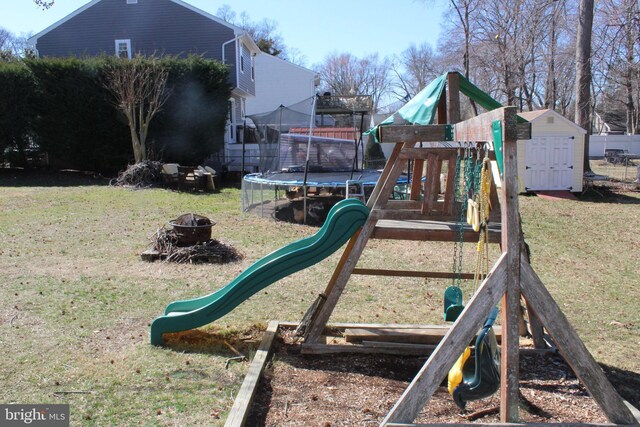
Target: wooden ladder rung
406,273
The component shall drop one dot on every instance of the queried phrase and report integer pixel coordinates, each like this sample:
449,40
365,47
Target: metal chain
457,247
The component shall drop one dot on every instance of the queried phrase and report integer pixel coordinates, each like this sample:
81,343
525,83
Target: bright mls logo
34,415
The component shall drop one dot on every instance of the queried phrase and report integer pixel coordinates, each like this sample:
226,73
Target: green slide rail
344,219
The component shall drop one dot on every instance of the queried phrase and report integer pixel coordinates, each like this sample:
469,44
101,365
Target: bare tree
139,89
583,73
345,74
45,4
414,69
264,33
616,52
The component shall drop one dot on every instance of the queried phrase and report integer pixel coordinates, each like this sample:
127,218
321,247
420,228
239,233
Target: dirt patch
350,390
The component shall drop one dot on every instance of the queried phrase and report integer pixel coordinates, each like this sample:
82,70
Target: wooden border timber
244,399
506,425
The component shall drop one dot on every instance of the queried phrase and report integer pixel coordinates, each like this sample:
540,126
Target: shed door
549,163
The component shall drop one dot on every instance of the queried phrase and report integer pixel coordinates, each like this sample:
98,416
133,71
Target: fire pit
191,229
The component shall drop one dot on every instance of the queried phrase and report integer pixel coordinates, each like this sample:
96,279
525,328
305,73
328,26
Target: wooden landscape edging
242,405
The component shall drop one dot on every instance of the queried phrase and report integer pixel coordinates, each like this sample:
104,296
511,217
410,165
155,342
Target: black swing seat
481,373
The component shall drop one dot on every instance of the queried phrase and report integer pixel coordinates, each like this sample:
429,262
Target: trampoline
305,164
281,195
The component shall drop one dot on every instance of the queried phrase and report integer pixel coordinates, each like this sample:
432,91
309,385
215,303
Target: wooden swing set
428,214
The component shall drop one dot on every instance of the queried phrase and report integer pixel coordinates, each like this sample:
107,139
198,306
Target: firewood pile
165,242
144,174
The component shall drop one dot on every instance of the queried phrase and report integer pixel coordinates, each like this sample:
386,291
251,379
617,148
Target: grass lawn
78,300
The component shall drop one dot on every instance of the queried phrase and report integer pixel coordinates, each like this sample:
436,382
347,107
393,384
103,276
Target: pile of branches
211,251
144,174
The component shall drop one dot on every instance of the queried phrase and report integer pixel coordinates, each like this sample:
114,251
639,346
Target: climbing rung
404,273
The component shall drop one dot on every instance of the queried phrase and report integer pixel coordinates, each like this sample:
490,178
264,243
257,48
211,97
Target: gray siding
245,82
153,26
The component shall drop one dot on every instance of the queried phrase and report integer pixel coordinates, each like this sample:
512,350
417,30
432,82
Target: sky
315,29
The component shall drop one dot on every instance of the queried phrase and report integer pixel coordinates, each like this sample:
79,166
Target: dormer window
123,48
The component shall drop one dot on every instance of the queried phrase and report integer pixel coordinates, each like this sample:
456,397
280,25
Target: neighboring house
612,123
553,158
172,27
278,82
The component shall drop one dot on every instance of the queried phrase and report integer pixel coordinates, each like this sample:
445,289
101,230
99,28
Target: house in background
172,27
278,82
609,123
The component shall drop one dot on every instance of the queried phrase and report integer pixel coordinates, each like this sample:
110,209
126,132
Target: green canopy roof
421,109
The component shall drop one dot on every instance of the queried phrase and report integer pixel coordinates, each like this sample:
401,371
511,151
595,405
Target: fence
599,143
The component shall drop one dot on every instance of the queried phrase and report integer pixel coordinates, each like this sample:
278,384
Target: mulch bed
359,390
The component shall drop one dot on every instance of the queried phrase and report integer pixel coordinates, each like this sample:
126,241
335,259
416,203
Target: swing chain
457,247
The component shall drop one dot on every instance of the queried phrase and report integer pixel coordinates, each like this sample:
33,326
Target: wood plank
511,314
415,350
423,153
572,348
407,215
504,425
435,231
413,133
408,273
449,192
242,404
404,204
341,326
453,97
416,178
432,184
151,255
478,128
404,335
445,355
442,111
382,181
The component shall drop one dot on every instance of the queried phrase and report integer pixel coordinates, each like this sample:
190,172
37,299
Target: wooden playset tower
423,216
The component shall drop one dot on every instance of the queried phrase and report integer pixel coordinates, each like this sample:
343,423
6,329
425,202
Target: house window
132,1
242,52
253,69
123,48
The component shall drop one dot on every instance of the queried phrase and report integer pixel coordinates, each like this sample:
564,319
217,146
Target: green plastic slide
344,219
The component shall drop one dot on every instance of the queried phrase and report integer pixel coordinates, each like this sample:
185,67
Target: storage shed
553,158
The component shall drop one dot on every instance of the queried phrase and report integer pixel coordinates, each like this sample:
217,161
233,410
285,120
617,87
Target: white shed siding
279,82
558,126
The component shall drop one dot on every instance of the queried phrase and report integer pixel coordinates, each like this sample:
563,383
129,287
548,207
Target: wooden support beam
384,177
511,314
503,425
442,110
453,97
449,192
242,405
478,129
416,178
382,192
414,133
572,348
432,184
423,153
417,215
405,335
380,348
430,231
405,273
445,355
